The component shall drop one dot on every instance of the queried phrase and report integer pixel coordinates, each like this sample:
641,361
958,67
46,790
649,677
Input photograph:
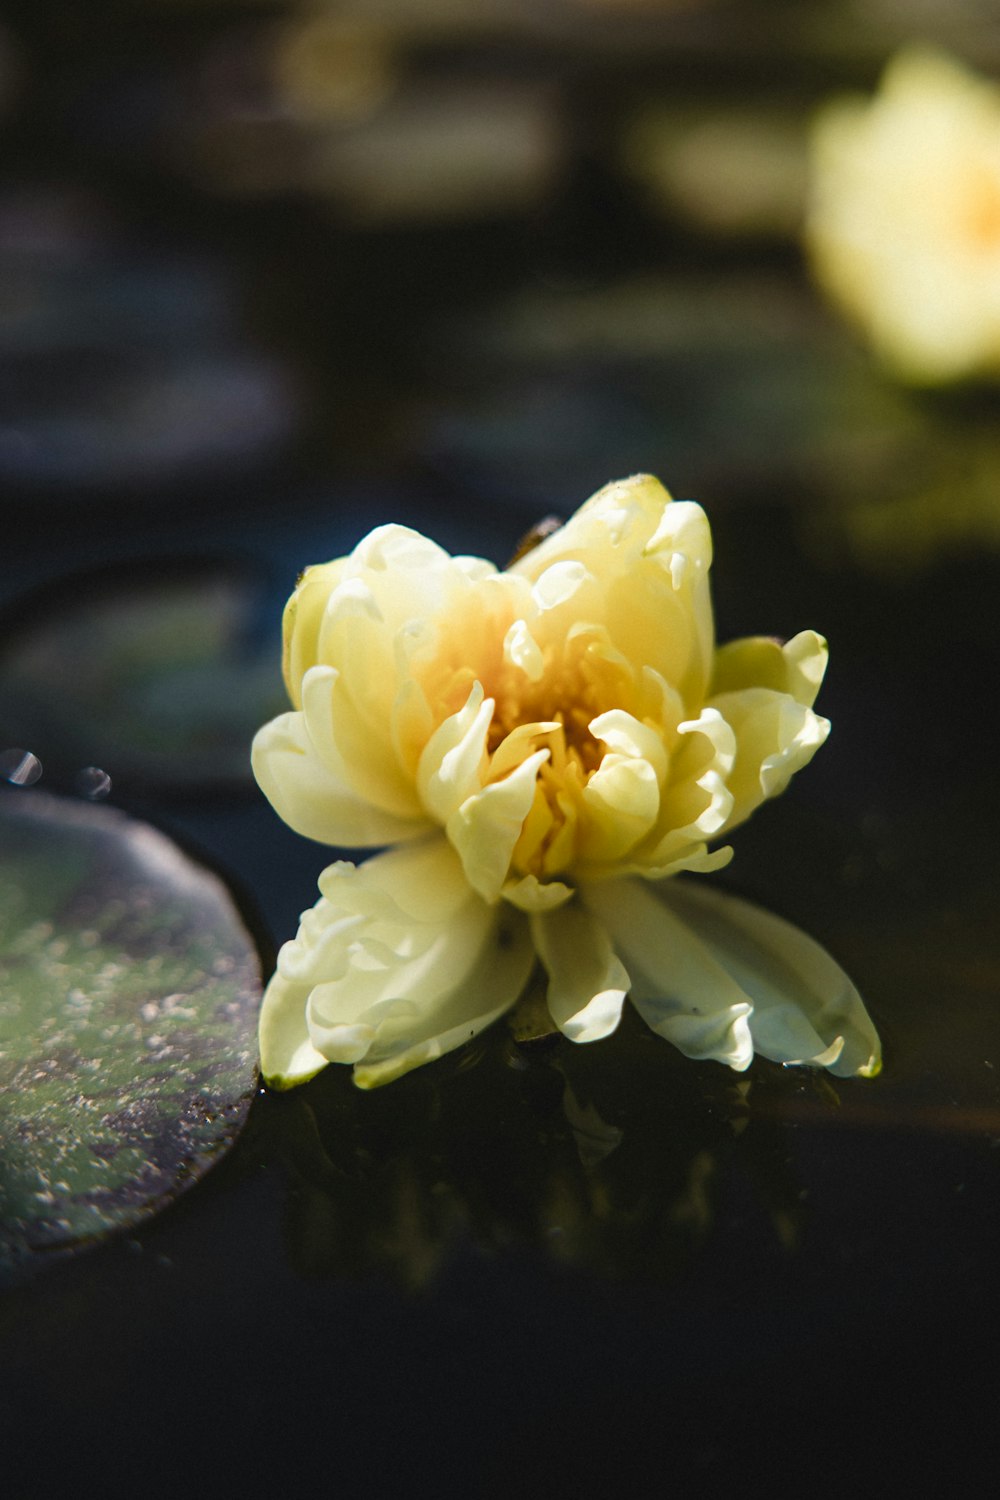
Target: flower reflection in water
540,1149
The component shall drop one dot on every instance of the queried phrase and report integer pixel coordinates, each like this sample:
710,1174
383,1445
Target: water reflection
93,783
19,767
615,1160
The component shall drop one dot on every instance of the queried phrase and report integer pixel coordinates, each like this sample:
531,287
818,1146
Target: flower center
576,684
547,688
581,677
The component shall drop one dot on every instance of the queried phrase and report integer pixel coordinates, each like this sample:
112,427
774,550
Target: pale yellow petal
620,800
453,763
805,1008
587,981
287,1056
532,895
310,797
775,737
796,668
625,734
301,622
398,962
334,731
678,985
521,650
486,827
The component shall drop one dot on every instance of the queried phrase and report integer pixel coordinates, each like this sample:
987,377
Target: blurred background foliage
253,253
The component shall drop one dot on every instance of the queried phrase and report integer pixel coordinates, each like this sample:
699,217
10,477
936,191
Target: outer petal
806,1009
398,963
775,737
721,978
287,1056
309,796
302,619
678,985
796,668
369,770
587,982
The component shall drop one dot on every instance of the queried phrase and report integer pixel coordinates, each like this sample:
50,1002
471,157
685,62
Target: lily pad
156,674
129,991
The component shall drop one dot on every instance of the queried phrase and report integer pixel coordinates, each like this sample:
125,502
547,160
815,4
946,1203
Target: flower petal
646,564
521,650
333,728
486,827
678,986
625,734
302,620
797,667
775,737
587,981
804,1003
399,962
531,894
621,799
454,759
309,796
287,1056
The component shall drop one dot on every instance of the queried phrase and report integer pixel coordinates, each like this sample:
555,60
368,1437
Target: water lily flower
903,226
543,749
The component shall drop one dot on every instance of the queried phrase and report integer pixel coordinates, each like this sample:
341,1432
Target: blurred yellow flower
903,225
544,747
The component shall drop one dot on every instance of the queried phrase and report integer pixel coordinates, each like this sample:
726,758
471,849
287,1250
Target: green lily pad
129,991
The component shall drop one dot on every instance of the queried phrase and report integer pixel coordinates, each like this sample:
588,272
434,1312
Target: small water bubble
19,767
92,782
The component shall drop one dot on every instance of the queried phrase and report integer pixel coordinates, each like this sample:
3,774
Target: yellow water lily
903,225
543,749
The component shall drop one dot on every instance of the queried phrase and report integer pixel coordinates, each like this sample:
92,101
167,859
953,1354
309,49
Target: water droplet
20,767
92,782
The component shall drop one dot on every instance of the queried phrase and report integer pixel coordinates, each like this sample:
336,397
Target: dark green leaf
129,990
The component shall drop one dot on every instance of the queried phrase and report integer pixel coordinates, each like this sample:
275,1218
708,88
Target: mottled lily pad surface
129,991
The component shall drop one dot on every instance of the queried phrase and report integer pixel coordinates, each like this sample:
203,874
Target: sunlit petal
678,985
307,794
806,1009
587,981
400,961
287,1056
775,737
486,827
454,760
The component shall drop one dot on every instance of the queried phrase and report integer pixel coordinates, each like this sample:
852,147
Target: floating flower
543,748
904,222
